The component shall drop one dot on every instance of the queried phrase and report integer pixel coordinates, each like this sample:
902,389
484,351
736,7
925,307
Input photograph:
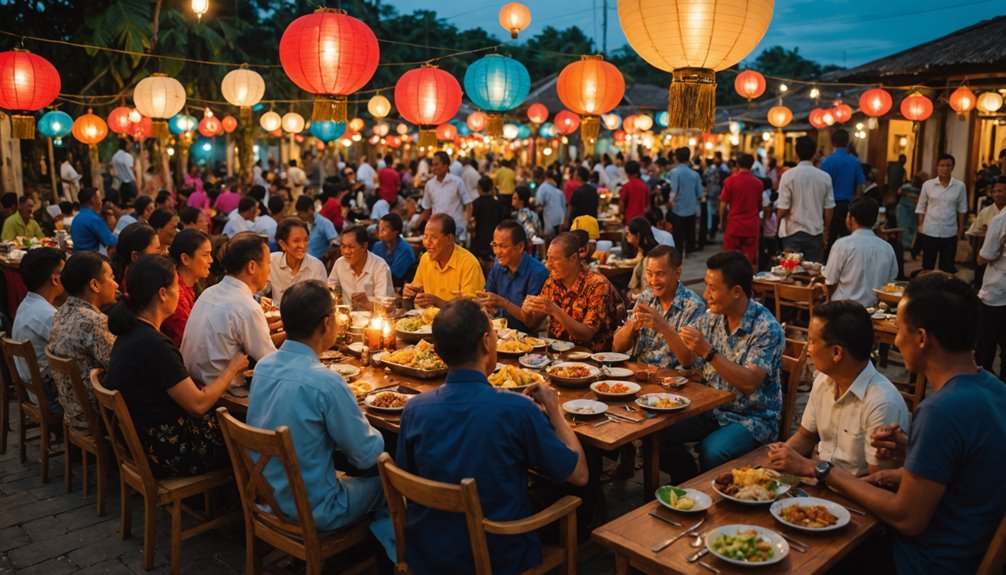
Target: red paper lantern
816,118
331,55
963,100
629,124
118,120
427,97
780,116
210,126
476,121
230,124
446,132
916,107
27,83
141,129
750,84
90,129
620,136
875,102
842,113
566,122
537,113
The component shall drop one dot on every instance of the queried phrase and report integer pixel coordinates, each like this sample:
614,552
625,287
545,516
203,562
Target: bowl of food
513,378
614,390
747,545
572,374
512,347
684,500
386,401
584,407
750,485
663,401
419,361
810,514
415,327
891,293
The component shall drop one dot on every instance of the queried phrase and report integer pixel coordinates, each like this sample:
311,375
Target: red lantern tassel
691,102
427,138
22,127
329,109
590,127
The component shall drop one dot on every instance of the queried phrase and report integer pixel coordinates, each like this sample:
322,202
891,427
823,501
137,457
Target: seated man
660,311
361,274
292,264
393,249
493,439
89,230
22,222
244,219
446,271
941,506
738,344
226,319
580,303
514,276
862,261
323,235
292,388
849,401
40,269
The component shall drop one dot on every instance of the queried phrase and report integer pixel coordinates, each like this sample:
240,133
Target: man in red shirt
389,181
742,192
635,193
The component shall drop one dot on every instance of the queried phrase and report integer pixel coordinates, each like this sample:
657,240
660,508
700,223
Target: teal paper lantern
327,131
547,130
661,119
523,131
55,124
497,83
181,123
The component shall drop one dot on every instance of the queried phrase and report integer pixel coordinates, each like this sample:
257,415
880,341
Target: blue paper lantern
661,119
181,123
55,124
523,131
497,83
463,129
547,130
327,131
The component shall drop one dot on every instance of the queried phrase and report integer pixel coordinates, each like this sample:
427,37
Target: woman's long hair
639,226
134,238
146,277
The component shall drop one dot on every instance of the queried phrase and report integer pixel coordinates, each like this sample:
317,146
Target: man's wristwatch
709,356
821,471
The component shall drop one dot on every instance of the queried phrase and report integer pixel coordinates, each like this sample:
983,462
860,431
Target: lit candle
389,336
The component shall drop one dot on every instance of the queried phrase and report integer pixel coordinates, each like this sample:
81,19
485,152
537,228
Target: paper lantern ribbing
159,97
379,106
916,107
427,97
780,116
446,132
566,122
590,87
537,113
990,102
711,35
55,124
963,100
842,113
270,121
90,129
476,121
119,120
243,88
514,17
750,84
876,102
327,131
496,84
293,123
331,55
229,123
28,83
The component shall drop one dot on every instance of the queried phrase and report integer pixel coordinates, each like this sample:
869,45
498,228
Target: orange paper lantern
816,118
446,132
537,113
750,84
90,129
916,107
963,100
476,121
230,124
780,116
629,124
590,87
514,17
875,102
566,122
842,113
210,126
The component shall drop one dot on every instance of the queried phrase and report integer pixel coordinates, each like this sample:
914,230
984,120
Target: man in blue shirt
396,251
291,387
323,239
514,276
89,229
847,179
686,191
467,428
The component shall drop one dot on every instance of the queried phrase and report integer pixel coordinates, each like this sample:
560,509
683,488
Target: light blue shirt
291,387
686,185
122,163
33,321
322,235
686,309
553,204
124,221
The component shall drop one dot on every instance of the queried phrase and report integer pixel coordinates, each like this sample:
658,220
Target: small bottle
365,355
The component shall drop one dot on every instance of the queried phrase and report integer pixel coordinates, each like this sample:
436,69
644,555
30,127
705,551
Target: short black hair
80,269
359,233
946,307
162,197
244,247
485,184
654,216
946,156
189,215
246,203
8,200
745,161
568,242
517,233
806,147
276,205
160,218
257,192
134,238
85,195
304,203
865,211
394,220
632,168
443,156
735,268
24,199
457,330
682,154
840,138
141,203
846,323
303,308
583,173
187,242
673,255
524,193
581,236
38,265
447,224
287,225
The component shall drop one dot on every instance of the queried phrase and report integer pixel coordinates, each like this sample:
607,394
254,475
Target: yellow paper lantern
780,116
159,97
270,121
709,36
243,88
515,17
402,128
356,124
293,123
990,102
643,122
200,7
379,106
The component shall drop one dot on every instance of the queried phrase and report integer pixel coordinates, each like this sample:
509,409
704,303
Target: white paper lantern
243,88
293,123
990,102
270,121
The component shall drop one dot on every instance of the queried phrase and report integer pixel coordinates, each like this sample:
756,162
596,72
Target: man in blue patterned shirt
738,344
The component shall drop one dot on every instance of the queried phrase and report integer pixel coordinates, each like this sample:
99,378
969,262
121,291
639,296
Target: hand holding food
784,458
411,290
360,300
544,396
424,299
537,304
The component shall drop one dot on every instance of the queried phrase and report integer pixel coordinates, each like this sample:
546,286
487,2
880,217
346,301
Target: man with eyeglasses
514,276
446,271
361,274
446,193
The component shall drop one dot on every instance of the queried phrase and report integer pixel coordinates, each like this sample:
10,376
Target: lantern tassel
329,109
590,127
159,129
22,127
691,103
427,138
494,125
245,115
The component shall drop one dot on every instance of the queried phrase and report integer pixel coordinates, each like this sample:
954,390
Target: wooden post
10,159
95,161
52,172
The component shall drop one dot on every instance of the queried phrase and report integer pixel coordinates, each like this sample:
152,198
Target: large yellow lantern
709,36
990,102
159,97
243,88
379,107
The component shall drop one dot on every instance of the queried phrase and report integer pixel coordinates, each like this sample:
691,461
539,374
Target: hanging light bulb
815,93
783,88
200,7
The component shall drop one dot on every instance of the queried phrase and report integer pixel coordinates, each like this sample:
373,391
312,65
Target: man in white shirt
266,225
850,399
806,203
40,270
992,321
70,178
446,193
297,178
656,218
862,261
456,167
226,319
470,175
998,197
361,274
943,202
292,264
552,203
365,174
122,163
244,220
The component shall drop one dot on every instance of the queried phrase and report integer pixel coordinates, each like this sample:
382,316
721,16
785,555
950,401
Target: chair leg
176,538
22,435
67,472
253,561
125,510
149,531
43,448
4,416
100,472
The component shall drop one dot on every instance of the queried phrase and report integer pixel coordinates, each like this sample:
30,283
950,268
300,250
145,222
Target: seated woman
170,412
638,238
165,223
193,256
135,240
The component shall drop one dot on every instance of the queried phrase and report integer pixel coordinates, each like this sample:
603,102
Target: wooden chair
800,298
264,519
135,473
33,414
913,391
4,404
995,556
400,486
794,360
93,442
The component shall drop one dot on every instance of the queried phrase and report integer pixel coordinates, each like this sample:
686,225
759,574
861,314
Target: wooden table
619,276
608,437
632,535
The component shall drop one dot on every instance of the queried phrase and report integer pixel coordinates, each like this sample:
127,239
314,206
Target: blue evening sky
842,32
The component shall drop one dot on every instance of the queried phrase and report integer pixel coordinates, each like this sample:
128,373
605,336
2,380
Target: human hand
410,290
886,478
784,458
424,299
360,300
238,363
489,301
537,304
275,323
647,316
544,396
695,341
891,443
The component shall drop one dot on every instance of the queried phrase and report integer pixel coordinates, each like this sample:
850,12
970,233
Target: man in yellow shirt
446,271
506,182
22,222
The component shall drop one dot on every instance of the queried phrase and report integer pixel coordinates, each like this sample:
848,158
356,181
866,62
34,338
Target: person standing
742,194
505,179
686,191
992,319
365,174
805,205
635,194
846,181
943,203
389,181
552,203
297,178
584,201
446,193
122,163
70,178
486,215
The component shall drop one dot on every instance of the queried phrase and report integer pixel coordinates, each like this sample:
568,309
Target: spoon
699,539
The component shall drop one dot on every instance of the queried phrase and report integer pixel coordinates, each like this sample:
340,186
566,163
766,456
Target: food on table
661,402
584,409
677,498
749,484
811,516
534,341
360,387
510,376
416,323
420,356
570,371
389,400
892,288
745,545
513,346
605,387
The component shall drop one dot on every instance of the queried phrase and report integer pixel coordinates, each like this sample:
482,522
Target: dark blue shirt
846,173
399,260
529,279
467,428
89,231
958,439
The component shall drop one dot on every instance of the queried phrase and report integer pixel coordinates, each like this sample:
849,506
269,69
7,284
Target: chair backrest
401,486
912,391
121,432
995,555
794,358
797,296
14,350
257,496
68,368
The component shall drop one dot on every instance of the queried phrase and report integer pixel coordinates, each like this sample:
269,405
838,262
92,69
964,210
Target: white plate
774,539
783,488
347,371
356,347
541,342
330,355
592,370
578,355
609,357
369,400
581,407
644,401
616,372
562,345
512,352
702,501
633,389
533,360
834,508
767,277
